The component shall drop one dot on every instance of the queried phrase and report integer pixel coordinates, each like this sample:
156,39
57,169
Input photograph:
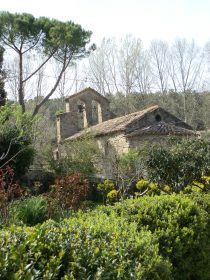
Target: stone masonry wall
110,146
136,142
80,110
66,126
87,97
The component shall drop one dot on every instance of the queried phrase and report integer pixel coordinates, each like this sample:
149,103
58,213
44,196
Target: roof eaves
162,129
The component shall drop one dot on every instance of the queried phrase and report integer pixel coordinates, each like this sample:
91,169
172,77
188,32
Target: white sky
145,19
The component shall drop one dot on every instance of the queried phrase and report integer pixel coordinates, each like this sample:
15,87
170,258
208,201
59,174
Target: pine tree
3,93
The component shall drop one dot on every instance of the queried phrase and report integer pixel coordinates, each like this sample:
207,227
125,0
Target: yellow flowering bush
112,196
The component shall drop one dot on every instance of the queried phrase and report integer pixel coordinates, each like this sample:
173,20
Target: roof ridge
83,90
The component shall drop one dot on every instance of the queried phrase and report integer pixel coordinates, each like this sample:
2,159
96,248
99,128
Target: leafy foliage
112,196
85,247
8,191
69,192
16,136
107,188
67,38
181,165
154,238
178,165
145,187
181,225
24,34
19,29
3,93
81,156
30,211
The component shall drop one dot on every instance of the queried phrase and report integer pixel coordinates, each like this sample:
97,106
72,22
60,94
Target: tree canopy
24,34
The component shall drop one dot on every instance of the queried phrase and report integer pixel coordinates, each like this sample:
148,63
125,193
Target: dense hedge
182,227
166,237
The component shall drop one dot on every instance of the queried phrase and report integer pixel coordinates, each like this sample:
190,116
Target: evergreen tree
3,93
55,41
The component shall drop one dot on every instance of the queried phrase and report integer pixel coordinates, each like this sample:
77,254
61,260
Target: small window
106,148
80,108
158,118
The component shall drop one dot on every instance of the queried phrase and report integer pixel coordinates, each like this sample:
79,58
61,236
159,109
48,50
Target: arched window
96,112
81,115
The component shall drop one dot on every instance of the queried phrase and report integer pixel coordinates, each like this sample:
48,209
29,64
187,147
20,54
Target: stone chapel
88,112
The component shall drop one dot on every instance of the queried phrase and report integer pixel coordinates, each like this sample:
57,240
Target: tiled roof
162,128
114,125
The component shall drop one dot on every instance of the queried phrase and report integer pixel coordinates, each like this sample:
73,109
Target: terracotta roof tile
162,128
114,125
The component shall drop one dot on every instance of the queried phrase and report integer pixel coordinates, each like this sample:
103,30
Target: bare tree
69,80
39,83
143,73
129,53
159,64
101,69
186,71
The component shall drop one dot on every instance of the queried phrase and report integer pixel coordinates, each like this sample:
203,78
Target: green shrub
81,157
179,164
145,187
160,237
30,211
112,196
85,247
182,225
105,188
16,138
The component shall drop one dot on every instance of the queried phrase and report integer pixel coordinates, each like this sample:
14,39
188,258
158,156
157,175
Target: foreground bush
104,247
165,237
182,227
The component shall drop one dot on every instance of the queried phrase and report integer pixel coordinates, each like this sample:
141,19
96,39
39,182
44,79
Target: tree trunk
38,106
21,87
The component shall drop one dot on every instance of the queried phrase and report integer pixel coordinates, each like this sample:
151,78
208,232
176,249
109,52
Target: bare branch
4,155
32,74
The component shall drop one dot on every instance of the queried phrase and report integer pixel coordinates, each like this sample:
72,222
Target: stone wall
110,147
138,141
118,144
83,110
66,126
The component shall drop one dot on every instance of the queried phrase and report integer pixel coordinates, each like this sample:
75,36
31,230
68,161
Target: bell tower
83,109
